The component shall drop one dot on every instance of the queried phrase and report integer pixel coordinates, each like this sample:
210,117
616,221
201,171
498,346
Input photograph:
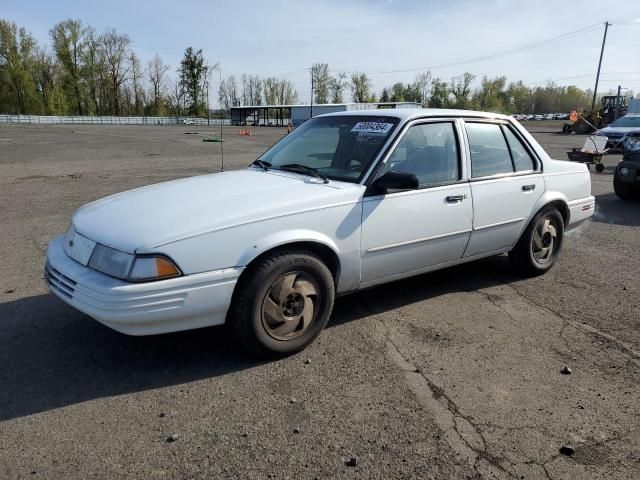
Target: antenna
221,122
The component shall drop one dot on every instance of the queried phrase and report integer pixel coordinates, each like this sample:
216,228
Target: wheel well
562,207
328,256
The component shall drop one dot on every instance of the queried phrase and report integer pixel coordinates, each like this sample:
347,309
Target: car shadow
614,211
54,356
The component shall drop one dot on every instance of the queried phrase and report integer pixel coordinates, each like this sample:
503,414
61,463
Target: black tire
623,190
599,167
249,313
524,256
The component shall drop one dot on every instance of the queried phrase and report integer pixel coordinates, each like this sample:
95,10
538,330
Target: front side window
429,151
489,151
340,147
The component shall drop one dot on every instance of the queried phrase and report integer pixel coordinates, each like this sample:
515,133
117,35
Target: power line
493,56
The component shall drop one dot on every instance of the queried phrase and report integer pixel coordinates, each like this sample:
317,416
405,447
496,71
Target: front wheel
623,190
282,302
540,243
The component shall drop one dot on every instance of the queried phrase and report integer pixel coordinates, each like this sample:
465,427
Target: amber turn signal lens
165,268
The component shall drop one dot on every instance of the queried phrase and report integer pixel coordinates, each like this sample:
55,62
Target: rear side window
521,158
489,151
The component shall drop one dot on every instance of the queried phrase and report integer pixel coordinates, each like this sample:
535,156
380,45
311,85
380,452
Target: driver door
405,232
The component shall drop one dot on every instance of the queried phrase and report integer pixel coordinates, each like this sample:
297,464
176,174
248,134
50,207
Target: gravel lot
454,374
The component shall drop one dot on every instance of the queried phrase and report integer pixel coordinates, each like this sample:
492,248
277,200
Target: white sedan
347,201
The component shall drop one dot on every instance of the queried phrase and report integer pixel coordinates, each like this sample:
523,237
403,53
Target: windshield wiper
298,167
262,164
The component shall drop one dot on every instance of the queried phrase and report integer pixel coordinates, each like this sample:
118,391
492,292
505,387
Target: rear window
489,151
522,161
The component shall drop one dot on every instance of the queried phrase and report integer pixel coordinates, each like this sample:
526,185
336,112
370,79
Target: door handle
528,188
455,198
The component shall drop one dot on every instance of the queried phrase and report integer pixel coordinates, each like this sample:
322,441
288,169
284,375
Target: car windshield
339,148
627,122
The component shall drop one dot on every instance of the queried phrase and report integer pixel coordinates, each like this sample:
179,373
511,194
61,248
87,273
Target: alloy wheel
290,306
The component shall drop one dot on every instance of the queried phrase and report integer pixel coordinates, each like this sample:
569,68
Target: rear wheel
282,303
540,243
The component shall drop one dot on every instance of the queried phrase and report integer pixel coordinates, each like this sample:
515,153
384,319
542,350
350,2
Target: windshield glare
340,147
627,122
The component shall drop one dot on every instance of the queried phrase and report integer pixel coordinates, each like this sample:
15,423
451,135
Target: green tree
193,73
519,97
337,86
68,43
460,89
491,95
18,93
361,88
321,82
439,94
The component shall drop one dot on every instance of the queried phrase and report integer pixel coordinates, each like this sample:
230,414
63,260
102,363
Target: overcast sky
284,37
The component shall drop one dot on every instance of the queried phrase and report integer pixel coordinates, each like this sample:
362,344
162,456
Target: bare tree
44,72
337,86
287,94
228,93
176,98
136,87
271,85
156,71
115,48
244,82
423,85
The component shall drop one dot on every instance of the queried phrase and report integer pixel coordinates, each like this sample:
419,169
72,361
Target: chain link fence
84,120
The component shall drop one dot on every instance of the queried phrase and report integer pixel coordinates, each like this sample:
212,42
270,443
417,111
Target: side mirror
393,181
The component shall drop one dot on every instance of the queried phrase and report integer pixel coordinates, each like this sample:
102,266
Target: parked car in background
626,178
346,201
616,131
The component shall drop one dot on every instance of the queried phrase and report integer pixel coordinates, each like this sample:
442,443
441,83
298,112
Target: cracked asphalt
450,375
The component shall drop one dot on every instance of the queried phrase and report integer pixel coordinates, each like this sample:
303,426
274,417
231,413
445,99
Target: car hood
618,130
158,214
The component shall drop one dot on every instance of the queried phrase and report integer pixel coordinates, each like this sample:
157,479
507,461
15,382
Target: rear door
505,184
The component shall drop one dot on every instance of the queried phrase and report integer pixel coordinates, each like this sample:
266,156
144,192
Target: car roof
406,114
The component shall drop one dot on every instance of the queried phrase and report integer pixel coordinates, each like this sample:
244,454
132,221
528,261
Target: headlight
126,266
111,261
624,171
153,268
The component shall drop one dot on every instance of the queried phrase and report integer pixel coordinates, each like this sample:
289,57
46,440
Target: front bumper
633,170
182,303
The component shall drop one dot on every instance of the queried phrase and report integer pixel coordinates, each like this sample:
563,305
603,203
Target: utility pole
311,107
595,90
618,102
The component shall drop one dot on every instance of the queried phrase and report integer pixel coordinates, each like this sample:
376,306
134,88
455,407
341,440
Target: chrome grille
59,282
